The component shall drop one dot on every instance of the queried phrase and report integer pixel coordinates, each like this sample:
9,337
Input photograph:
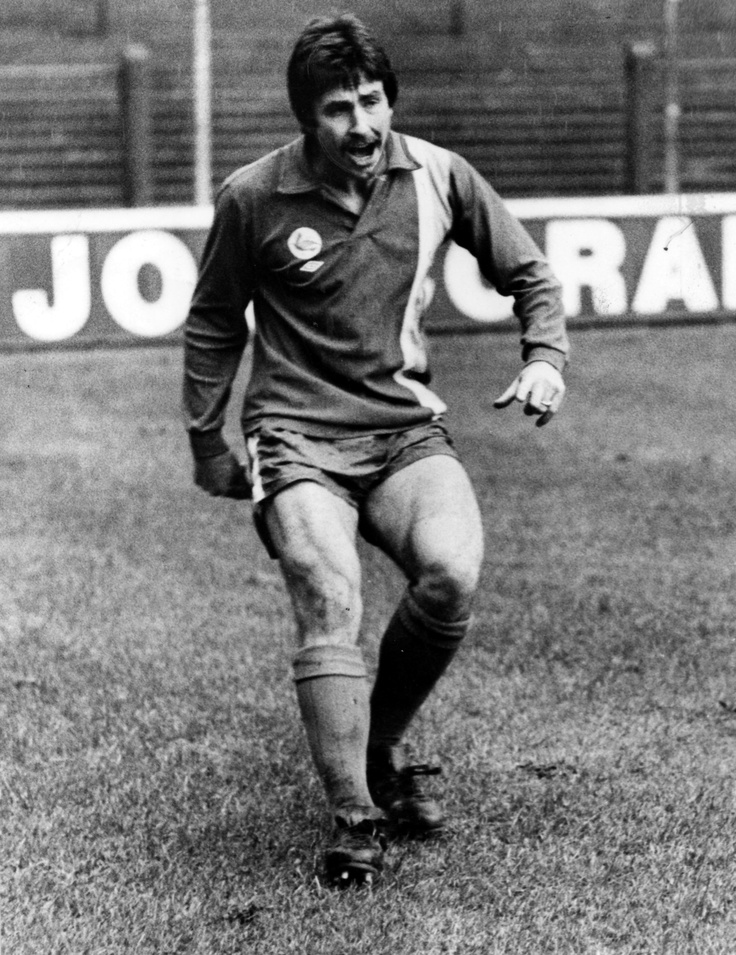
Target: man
331,239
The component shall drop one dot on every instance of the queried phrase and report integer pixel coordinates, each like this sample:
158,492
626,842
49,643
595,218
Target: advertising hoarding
125,276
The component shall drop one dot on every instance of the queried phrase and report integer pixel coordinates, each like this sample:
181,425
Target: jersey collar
296,176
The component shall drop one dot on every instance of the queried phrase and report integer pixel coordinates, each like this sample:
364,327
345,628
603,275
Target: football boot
354,858
401,795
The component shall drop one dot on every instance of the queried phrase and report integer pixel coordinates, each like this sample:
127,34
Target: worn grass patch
156,794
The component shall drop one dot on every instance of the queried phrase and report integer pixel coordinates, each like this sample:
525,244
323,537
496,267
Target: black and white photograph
367,477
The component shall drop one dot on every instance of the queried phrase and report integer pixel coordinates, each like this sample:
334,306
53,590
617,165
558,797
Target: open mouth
362,154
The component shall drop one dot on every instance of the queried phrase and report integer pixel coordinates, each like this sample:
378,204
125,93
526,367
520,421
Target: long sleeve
215,332
510,260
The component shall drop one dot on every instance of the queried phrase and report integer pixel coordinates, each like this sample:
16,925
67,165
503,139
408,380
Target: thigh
314,536
426,516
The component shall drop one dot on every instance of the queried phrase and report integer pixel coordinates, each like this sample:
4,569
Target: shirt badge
305,243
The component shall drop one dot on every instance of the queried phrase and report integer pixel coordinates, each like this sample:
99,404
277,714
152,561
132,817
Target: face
351,127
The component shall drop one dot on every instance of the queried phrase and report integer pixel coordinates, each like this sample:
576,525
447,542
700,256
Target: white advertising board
126,275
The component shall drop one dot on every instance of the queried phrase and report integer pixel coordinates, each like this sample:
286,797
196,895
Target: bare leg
427,519
314,534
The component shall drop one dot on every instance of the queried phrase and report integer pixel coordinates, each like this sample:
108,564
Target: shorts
348,467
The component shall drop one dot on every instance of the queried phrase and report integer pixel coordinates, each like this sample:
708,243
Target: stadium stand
532,92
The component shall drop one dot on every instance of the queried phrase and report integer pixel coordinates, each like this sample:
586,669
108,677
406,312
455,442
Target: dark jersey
339,297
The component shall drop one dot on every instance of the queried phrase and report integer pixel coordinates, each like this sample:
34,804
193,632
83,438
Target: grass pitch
155,788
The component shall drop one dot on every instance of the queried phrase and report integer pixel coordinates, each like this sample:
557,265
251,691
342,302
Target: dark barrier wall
87,277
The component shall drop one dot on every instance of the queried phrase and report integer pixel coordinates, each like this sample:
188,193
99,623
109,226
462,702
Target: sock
332,690
415,651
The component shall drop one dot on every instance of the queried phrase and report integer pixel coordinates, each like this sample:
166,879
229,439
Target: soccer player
331,238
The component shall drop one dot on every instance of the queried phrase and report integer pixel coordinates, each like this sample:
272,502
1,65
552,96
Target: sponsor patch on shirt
305,243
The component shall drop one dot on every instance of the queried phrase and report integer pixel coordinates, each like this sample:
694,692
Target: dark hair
335,52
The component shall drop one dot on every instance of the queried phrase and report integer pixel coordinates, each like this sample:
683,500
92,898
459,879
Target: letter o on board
121,292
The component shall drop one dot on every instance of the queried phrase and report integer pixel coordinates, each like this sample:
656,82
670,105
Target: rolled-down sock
333,694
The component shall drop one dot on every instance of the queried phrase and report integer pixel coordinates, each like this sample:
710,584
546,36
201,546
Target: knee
445,588
327,602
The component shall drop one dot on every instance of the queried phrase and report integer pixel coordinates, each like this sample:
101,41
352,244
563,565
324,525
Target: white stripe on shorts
251,445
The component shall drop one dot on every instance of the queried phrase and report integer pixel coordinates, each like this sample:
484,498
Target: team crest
305,243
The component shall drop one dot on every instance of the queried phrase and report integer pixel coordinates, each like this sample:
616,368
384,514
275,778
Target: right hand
223,476
539,387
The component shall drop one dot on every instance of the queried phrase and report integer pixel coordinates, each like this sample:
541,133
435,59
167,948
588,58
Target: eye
336,109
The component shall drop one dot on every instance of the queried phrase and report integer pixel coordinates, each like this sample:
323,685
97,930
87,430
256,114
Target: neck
353,196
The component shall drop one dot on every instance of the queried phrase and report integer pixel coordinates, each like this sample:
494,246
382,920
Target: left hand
539,387
223,475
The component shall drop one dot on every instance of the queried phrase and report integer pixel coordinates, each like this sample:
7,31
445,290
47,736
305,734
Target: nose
360,123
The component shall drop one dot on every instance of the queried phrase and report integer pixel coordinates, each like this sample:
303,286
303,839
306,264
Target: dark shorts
348,467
